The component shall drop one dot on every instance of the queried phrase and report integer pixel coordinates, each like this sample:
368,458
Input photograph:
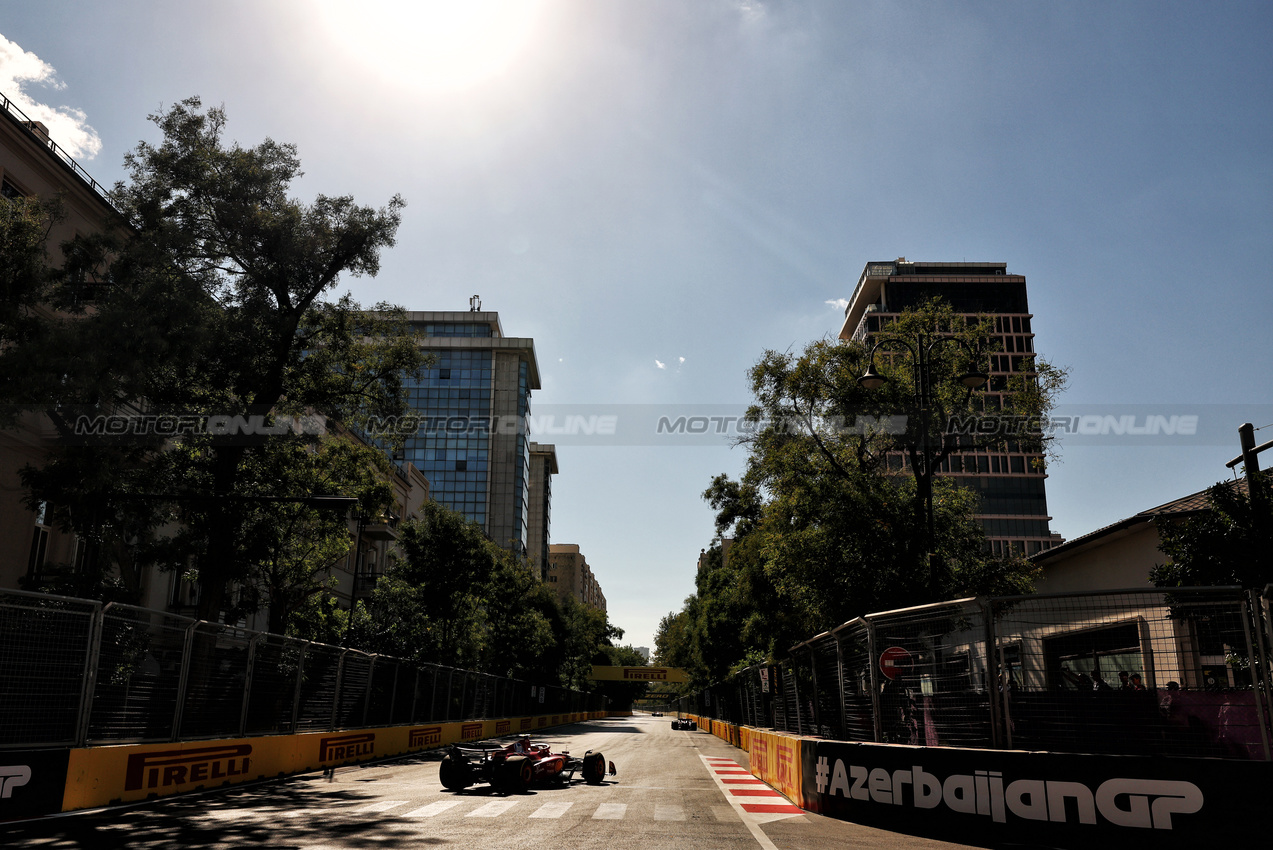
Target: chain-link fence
1180,672
77,673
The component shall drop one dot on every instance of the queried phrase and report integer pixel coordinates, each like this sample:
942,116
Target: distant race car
656,714
512,768
684,723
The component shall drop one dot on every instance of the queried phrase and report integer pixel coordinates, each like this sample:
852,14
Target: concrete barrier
34,783
1063,800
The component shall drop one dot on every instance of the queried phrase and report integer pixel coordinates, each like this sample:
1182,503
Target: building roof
876,272
550,451
1182,507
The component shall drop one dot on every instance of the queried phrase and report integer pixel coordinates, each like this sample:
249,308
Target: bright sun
436,44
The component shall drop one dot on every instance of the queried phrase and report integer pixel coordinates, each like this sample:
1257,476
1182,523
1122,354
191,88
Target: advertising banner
1055,799
776,759
638,674
100,776
32,783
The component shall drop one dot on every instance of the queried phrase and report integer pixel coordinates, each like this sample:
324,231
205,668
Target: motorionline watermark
107,426
697,425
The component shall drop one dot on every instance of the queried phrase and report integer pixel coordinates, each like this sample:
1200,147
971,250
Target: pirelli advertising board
639,674
102,776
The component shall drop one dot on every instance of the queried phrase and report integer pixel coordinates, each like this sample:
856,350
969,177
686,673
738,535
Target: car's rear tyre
519,772
594,768
453,775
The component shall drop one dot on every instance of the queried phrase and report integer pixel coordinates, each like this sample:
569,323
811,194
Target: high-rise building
570,576
1013,503
543,466
473,403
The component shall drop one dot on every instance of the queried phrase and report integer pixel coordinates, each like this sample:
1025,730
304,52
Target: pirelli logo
503,727
543,721
470,730
760,754
653,674
785,756
166,768
525,724
424,736
341,747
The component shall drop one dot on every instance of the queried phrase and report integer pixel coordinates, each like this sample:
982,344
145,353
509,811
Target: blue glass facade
455,457
472,405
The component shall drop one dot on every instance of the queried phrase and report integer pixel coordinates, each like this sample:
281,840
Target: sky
658,192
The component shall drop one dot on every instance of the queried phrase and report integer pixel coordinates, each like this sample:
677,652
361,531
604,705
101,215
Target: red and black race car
512,768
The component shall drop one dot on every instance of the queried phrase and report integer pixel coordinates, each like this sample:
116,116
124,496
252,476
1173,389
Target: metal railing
1136,672
28,124
74,672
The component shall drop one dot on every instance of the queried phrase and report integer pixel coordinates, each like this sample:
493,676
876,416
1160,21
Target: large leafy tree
1228,543
827,522
216,300
456,598
428,605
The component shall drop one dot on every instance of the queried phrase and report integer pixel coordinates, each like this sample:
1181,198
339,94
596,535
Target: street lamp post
921,363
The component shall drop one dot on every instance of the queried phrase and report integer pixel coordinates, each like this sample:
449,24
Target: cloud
840,304
660,364
682,359
68,127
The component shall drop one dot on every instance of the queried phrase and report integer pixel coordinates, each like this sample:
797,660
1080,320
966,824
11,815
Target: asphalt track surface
674,791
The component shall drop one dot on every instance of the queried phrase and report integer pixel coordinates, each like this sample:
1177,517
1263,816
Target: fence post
340,686
393,693
183,681
1257,667
415,694
814,706
433,695
92,659
366,694
993,680
247,684
450,681
839,666
795,687
300,679
872,665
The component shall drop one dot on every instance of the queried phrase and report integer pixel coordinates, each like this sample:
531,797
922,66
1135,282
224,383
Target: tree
1228,543
216,304
25,281
427,606
825,526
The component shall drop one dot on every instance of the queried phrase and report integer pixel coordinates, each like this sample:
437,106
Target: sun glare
445,45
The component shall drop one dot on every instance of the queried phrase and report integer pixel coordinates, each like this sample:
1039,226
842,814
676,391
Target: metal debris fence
75,672
1184,672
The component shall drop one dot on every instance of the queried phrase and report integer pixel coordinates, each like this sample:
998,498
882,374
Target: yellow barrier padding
102,776
774,756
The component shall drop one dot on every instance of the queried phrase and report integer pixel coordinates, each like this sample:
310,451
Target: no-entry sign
894,660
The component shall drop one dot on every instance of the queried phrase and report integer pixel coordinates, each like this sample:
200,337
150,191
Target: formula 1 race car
512,768
684,723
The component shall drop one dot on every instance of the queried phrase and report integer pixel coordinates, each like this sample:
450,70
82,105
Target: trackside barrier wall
34,783
1053,799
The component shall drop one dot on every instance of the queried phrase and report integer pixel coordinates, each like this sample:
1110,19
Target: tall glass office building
473,404
1010,484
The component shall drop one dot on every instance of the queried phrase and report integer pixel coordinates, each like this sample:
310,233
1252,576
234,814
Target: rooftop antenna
475,304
